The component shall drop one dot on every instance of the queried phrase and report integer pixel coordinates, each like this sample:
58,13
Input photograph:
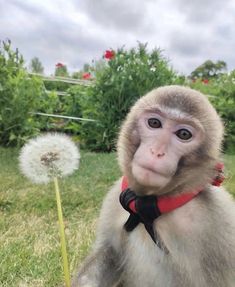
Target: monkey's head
170,141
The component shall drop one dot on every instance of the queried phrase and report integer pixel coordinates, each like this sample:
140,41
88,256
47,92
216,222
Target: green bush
120,79
56,86
128,75
68,105
50,104
19,97
71,106
221,93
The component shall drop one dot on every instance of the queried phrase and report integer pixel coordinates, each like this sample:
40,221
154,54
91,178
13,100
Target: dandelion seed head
48,156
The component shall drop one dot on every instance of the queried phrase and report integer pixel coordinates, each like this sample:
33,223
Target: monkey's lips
150,176
155,170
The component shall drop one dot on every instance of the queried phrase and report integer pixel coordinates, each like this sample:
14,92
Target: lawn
29,238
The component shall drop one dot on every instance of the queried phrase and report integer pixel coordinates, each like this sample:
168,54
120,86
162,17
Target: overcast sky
74,32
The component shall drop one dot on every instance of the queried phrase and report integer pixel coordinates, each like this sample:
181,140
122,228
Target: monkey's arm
102,268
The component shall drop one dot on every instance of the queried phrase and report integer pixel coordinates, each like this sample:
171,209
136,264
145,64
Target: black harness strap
146,212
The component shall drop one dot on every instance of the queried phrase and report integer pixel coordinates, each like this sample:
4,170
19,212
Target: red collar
167,203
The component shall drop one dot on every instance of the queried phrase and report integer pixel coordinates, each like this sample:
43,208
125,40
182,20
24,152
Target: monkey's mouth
149,176
166,173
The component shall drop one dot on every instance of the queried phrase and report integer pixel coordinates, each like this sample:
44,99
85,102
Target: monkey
166,222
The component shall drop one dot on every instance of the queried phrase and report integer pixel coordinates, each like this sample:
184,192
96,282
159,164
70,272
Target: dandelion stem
62,234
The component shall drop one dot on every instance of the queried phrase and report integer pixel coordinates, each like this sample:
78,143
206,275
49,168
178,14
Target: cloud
200,11
49,35
75,32
204,32
118,14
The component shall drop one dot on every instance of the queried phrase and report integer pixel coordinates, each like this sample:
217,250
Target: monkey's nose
157,153
160,154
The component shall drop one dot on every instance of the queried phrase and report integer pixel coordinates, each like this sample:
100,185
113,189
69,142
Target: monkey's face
164,136
170,141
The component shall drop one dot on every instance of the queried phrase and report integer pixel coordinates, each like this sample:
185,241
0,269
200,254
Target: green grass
29,236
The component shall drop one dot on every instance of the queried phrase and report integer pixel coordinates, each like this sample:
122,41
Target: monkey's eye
154,123
184,134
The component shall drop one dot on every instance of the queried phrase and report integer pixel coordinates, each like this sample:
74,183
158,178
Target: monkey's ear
100,269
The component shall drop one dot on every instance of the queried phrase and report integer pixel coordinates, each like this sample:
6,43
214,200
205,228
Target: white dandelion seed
48,156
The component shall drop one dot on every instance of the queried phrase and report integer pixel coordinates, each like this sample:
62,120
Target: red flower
109,54
59,65
86,76
205,81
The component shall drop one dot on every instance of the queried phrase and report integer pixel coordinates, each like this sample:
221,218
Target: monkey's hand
100,269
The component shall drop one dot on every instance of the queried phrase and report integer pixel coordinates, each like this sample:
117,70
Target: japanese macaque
171,227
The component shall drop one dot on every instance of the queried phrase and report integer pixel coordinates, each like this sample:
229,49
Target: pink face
164,136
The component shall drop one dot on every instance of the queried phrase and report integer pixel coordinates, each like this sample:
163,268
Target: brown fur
202,160
200,236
